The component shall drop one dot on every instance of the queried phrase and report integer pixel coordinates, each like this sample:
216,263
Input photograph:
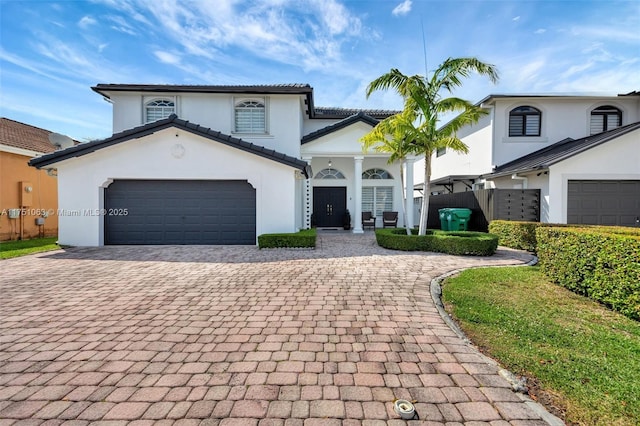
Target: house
28,197
582,152
220,165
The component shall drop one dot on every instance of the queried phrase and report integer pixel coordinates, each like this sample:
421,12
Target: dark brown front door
329,206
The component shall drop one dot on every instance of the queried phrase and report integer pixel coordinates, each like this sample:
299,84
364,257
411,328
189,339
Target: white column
357,217
408,176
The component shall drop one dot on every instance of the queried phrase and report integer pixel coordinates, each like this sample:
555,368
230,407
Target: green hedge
602,263
522,235
302,239
451,242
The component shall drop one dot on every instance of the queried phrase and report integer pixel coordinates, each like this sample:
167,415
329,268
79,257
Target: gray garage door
604,202
180,212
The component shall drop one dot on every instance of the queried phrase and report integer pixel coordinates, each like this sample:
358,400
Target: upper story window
441,151
376,174
250,116
524,121
159,109
329,174
605,118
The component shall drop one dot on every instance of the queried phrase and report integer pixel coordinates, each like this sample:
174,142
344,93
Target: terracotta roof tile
24,136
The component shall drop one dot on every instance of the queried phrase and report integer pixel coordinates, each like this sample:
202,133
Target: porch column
357,217
408,176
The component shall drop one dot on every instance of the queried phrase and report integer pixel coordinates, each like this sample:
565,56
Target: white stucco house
582,152
220,165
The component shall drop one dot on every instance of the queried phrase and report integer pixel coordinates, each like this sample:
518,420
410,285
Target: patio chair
390,219
368,219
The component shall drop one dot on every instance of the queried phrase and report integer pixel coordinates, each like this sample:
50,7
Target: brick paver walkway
239,336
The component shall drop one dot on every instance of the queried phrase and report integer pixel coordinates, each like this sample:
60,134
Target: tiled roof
171,121
163,88
360,116
24,136
559,151
327,112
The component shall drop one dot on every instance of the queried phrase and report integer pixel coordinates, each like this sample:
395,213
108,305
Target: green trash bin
444,223
458,219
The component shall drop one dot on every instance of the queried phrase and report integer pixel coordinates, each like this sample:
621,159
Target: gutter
525,181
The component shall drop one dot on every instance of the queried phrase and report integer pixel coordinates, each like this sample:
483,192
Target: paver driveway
239,336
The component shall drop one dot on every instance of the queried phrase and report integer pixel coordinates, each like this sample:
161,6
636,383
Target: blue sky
51,53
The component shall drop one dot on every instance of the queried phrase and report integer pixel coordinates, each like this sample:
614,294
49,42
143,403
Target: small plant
302,239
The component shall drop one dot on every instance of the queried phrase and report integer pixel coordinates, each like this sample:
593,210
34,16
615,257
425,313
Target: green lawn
584,355
10,249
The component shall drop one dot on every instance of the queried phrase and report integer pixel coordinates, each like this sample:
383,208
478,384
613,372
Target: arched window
524,121
159,109
605,118
376,174
329,174
250,116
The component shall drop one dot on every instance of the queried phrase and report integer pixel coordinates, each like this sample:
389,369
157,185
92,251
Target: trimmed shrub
522,235
517,235
602,263
450,242
302,239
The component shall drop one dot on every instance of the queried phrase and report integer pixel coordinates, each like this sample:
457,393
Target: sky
53,52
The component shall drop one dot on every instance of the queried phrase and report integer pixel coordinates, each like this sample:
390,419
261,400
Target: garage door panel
181,212
602,202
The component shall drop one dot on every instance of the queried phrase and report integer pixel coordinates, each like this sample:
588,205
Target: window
376,174
329,174
524,121
377,199
441,151
159,109
605,118
250,116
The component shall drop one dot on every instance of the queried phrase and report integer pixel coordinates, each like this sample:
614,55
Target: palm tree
390,136
422,97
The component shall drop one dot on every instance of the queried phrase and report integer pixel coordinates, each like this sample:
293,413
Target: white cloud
167,58
540,31
517,18
309,35
86,22
402,9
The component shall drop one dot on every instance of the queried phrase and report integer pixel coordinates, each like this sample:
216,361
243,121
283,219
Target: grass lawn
10,249
584,357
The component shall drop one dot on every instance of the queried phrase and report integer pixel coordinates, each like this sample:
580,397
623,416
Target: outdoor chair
389,219
368,219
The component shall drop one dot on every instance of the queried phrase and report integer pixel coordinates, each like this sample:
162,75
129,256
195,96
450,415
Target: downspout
524,180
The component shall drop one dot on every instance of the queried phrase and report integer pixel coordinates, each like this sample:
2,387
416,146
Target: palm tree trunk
426,192
404,199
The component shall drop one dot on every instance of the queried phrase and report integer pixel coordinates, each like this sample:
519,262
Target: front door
329,206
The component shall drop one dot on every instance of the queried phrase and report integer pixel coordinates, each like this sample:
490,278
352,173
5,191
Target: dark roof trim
103,89
171,121
559,151
329,113
448,180
359,117
492,97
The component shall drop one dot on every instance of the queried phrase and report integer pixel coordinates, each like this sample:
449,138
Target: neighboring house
28,197
582,152
220,165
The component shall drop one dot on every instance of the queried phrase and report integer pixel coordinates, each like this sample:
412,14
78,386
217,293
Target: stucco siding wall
216,111
44,197
478,161
616,160
154,157
561,118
